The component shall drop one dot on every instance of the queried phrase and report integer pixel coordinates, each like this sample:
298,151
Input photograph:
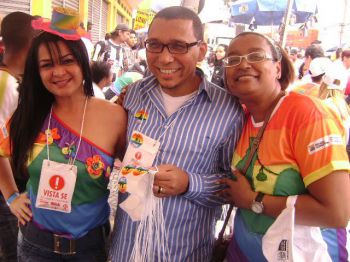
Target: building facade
103,14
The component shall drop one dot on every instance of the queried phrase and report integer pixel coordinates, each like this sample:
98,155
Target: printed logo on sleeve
324,142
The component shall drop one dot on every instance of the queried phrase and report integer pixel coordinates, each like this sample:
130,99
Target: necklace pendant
261,176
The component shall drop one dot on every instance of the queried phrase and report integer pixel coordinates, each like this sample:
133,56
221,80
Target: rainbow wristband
11,198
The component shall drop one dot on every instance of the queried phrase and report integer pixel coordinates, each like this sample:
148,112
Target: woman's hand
239,191
20,207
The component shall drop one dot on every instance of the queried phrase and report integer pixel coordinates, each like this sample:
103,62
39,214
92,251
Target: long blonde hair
337,97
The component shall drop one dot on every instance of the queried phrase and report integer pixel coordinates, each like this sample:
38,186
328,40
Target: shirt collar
151,83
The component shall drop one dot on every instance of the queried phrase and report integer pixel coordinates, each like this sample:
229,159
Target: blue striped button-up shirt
199,138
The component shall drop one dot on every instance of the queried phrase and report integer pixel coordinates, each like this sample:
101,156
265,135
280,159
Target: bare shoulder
108,111
106,125
107,108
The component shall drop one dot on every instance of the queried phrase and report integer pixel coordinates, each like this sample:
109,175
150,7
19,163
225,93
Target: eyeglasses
254,57
173,48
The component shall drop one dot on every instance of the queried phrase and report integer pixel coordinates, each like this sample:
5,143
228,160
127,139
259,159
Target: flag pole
285,24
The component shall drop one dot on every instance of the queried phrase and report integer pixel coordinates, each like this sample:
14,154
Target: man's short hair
314,51
16,30
180,12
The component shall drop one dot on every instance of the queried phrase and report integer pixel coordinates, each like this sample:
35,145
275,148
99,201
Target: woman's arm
20,205
326,205
7,181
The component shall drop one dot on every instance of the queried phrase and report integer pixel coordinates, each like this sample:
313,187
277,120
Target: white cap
319,66
335,78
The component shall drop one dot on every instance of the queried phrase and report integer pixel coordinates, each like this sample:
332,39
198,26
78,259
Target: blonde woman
332,93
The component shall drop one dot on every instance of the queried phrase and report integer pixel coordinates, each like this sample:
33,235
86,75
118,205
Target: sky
330,14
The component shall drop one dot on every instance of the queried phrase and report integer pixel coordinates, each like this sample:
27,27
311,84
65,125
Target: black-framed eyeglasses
173,47
254,57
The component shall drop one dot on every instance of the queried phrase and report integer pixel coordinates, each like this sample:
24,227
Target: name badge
134,177
56,187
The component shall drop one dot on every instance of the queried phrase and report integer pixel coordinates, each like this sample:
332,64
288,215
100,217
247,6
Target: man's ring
160,189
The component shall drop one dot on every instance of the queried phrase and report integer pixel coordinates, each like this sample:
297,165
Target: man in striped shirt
197,124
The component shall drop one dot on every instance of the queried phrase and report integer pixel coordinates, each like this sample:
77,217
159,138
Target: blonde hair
336,96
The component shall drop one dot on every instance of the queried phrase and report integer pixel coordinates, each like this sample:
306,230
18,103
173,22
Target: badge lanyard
57,180
70,161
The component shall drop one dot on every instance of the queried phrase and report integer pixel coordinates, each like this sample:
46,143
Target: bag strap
255,146
291,201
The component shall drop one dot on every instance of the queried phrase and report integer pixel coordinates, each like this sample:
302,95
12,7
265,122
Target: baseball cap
122,27
335,78
319,66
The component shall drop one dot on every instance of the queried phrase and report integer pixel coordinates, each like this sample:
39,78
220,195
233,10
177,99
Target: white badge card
56,187
134,177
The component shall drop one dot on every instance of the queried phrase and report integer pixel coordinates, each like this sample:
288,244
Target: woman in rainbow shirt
61,145
302,152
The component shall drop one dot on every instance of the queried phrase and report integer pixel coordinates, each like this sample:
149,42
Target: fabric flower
69,150
50,134
95,166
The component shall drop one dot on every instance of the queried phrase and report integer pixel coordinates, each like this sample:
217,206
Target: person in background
17,35
120,85
132,50
317,69
108,36
301,71
332,93
52,146
197,125
86,38
133,41
102,77
345,57
88,29
294,57
337,59
311,52
113,50
310,159
218,73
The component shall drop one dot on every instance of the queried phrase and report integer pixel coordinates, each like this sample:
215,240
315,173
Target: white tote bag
285,241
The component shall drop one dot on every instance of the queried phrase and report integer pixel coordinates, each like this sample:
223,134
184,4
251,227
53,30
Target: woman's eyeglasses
254,57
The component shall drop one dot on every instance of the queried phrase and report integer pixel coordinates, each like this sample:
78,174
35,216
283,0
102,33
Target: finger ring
160,189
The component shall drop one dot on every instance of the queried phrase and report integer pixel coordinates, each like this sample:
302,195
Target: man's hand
170,181
120,99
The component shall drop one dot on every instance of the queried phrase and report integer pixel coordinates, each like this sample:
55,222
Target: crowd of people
191,135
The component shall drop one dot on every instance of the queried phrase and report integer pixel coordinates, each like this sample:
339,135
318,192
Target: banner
143,18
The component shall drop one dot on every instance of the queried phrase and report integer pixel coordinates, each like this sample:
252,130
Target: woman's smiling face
59,70
247,78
